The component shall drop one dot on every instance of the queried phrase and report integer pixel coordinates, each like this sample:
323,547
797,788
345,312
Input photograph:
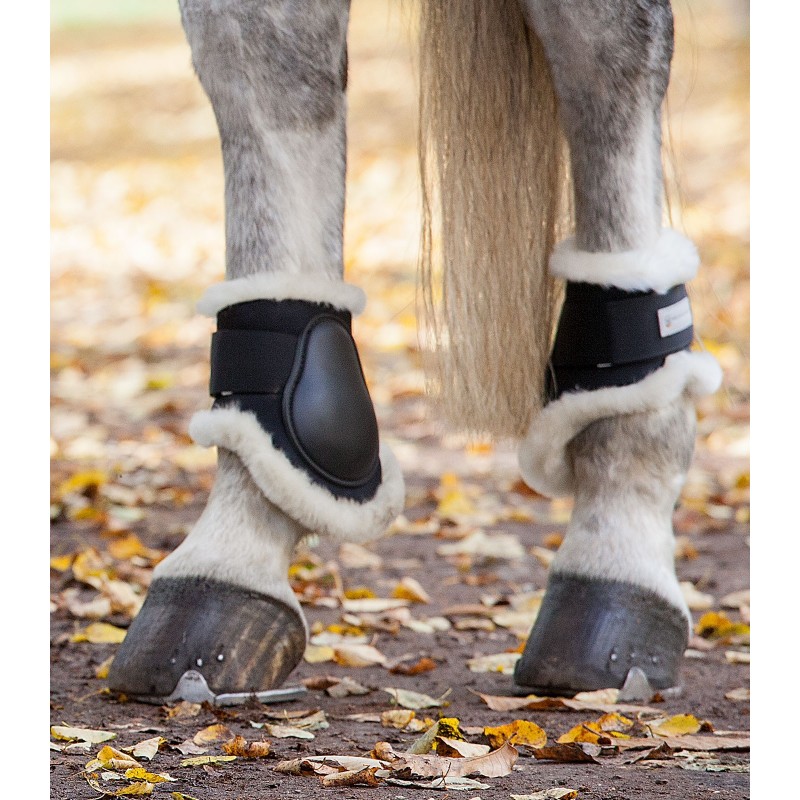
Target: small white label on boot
675,318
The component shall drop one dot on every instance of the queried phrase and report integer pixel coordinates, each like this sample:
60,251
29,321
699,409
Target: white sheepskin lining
291,489
673,259
282,286
542,454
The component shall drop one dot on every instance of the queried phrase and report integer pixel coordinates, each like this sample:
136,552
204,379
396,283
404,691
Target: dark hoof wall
240,641
590,633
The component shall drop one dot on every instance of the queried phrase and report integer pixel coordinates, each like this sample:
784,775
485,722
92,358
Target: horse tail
496,199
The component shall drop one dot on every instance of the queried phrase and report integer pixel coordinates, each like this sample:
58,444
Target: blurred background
137,236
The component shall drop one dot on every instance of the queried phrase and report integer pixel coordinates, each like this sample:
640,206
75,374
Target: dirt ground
137,221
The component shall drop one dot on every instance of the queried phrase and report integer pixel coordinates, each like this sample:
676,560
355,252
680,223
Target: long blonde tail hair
496,199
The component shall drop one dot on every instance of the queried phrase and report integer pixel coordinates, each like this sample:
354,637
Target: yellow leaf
359,593
449,728
239,746
140,773
717,625
130,546
62,563
137,789
111,758
679,725
519,731
453,502
100,633
212,734
198,761
69,734
316,654
410,589
81,481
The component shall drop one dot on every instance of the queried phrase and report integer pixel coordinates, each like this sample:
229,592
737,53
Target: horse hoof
208,638
591,634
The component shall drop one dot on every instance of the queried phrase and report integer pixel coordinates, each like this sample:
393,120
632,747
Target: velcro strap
601,326
250,362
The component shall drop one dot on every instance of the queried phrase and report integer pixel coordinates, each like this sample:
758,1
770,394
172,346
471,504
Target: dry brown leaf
415,700
362,777
346,687
570,753
138,789
494,764
239,746
556,793
535,703
424,664
458,748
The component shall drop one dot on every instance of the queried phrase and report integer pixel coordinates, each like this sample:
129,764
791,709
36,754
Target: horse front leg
292,418
618,432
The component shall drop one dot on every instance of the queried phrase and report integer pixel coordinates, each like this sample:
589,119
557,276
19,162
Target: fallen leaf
495,546
99,633
346,687
110,758
323,764
717,625
696,600
501,662
182,709
359,655
140,773
410,589
737,657
415,700
67,733
199,761
316,654
519,731
101,673
362,777
212,734
286,731
96,608
423,665
239,746
397,718
556,793
138,789
678,725
738,694
457,748
354,556
570,753
494,764
146,748
373,605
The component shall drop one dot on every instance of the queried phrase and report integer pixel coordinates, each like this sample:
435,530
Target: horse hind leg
618,432
298,448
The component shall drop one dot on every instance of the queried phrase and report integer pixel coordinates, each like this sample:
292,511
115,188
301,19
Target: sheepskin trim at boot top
671,260
291,489
282,286
543,453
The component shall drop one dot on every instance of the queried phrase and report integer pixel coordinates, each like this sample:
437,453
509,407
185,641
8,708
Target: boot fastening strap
611,337
295,366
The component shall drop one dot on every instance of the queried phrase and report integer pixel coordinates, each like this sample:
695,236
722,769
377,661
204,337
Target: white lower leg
628,474
240,538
